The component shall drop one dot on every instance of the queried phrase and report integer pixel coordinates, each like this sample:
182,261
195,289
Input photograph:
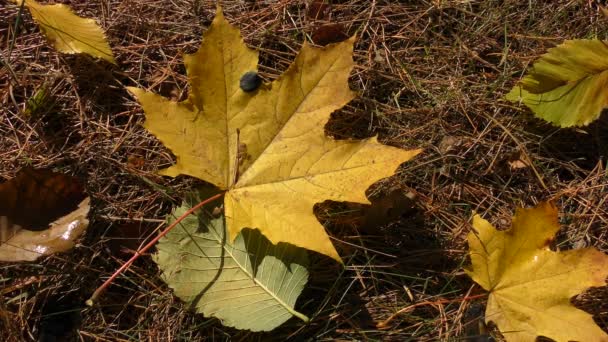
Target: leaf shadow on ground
393,225
60,318
100,85
384,246
220,268
582,148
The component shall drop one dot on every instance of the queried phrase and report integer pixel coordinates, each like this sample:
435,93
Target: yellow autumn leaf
267,147
68,32
530,285
567,85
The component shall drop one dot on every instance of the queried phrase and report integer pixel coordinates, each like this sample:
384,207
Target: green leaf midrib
243,268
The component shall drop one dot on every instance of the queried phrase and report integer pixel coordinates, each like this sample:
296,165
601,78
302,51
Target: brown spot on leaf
242,154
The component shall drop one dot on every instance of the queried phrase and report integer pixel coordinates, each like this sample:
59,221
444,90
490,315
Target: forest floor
430,74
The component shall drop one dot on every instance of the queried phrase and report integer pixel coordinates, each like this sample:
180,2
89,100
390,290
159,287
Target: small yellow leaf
267,147
68,32
530,285
567,85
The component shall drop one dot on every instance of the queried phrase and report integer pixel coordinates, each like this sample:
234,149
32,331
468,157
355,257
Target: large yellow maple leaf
267,148
530,285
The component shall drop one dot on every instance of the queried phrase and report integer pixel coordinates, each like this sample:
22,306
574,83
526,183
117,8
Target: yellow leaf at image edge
68,32
567,85
530,285
273,138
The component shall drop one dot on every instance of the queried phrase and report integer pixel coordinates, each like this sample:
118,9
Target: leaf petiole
141,251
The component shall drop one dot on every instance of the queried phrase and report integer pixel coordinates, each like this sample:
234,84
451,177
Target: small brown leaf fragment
318,10
41,212
328,34
517,161
380,56
449,143
517,164
217,212
135,162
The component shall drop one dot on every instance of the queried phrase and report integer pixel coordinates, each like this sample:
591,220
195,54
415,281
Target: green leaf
248,284
567,85
40,103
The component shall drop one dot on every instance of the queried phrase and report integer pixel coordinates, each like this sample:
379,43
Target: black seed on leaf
250,81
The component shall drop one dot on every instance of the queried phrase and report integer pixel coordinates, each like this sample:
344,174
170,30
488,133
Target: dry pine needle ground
431,74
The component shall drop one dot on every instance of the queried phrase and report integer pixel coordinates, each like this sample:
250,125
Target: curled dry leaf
267,148
530,285
68,32
41,212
